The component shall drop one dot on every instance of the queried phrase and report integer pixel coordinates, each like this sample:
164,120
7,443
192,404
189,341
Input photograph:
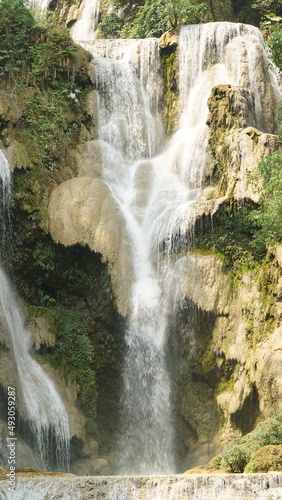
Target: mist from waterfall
39,403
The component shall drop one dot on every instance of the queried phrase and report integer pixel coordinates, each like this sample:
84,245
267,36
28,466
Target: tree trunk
212,11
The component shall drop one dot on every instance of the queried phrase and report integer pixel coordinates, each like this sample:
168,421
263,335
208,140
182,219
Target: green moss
92,429
169,68
208,361
225,386
229,236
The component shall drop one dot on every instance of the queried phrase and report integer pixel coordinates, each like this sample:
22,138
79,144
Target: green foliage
267,221
268,458
274,42
238,454
152,18
73,344
38,61
265,7
157,16
244,12
16,27
230,236
74,352
32,52
111,25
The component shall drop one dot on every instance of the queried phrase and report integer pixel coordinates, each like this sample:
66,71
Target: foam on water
211,487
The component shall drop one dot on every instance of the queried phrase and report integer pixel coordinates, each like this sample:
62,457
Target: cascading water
86,25
180,487
157,198
128,125
38,401
156,194
38,4
5,176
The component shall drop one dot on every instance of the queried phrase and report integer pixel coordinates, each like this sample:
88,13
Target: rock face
234,342
83,211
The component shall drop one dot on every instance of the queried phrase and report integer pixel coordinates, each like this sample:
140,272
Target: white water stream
86,25
38,400
39,4
156,196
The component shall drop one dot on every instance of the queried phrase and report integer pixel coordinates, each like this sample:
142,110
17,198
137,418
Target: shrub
239,453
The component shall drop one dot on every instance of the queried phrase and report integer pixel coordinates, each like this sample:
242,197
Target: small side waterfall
86,25
38,401
38,4
5,176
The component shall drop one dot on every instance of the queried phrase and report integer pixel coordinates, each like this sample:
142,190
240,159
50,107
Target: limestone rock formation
170,39
236,148
83,211
243,336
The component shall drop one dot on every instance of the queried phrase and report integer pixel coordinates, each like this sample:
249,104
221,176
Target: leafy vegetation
39,63
154,17
267,220
274,43
230,235
238,455
145,18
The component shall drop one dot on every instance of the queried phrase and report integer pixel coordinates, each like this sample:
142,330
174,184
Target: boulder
83,210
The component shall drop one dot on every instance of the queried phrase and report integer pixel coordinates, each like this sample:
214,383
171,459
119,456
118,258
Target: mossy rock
268,458
3,472
31,472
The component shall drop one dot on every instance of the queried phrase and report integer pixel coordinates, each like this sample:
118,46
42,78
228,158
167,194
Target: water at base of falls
210,487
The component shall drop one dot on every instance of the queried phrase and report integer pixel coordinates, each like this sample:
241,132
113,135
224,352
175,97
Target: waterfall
5,176
38,4
156,193
181,487
156,183
38,401
86,25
